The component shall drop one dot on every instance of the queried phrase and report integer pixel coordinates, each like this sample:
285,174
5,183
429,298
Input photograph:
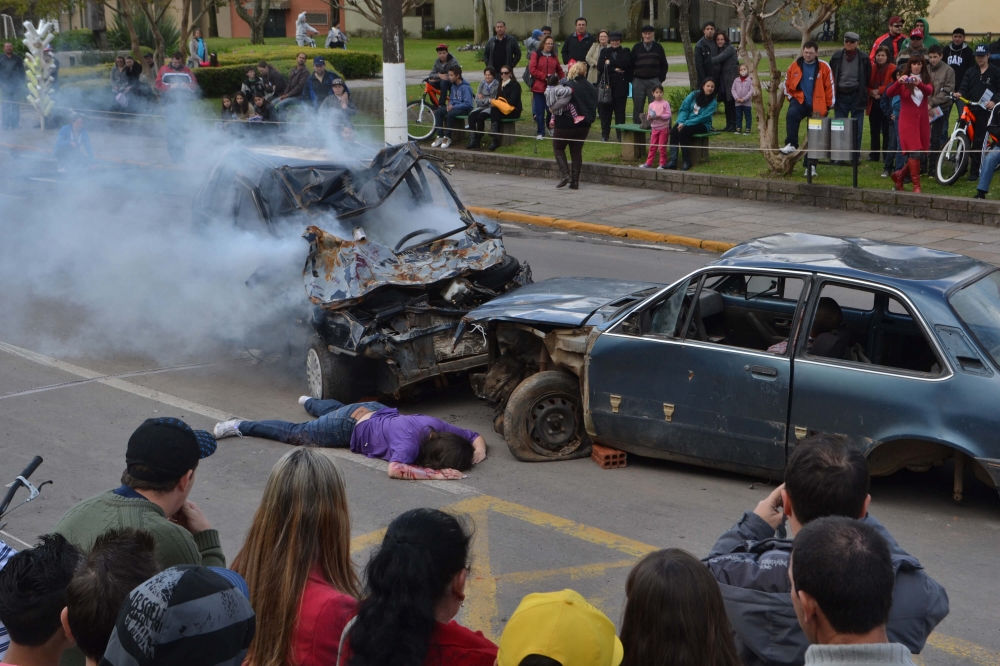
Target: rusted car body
895,347
395,260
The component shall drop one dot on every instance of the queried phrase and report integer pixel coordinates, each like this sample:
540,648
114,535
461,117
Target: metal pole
393,72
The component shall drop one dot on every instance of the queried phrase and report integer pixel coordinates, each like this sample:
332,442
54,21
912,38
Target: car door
668,379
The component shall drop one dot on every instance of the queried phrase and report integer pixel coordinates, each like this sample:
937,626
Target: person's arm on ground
398,470
479,450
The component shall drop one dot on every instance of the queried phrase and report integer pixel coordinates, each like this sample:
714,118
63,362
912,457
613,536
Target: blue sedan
895,347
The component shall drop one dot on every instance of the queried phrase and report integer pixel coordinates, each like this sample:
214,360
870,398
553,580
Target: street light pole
393,72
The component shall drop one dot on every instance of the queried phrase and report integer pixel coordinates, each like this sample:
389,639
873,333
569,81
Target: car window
978,306
666,318
868,327
247,217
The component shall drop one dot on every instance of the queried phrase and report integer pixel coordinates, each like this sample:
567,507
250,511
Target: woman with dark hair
614,65
510,93
914,87
414,587
674,614
571,134
416,447
879,124
726,69
695,117
241,105
542,63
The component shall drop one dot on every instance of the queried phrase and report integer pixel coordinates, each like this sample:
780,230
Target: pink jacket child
659,122
742,89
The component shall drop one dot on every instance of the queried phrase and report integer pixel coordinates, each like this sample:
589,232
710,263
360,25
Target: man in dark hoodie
577,45
649,69
960,58
824,476
704,51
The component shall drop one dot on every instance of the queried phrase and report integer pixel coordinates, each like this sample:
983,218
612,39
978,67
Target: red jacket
540,67
450,645
914,121
823,96
881,79
894,43
167,69
323,614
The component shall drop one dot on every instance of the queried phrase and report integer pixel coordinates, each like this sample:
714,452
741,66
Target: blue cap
319,60
536,33
982,50
234,579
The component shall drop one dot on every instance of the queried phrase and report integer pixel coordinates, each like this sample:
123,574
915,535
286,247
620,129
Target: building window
317,19
519,6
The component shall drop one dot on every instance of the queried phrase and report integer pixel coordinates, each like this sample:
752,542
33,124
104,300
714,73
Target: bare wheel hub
552,425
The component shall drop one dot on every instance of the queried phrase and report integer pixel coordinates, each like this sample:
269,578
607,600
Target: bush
74,74
119,39
350,64
461,33
74,40
91,58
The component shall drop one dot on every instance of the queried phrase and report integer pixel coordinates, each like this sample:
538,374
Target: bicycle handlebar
28,471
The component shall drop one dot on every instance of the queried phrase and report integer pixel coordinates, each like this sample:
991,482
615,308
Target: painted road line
450,487
964,650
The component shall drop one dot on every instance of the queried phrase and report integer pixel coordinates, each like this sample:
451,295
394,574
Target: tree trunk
213,19
550,10
489,19
480,29
684,19
652,12
634,19
185,27
256,20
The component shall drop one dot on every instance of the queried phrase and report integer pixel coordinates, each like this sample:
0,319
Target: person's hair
539,660
491,71
887,51
603,32
706,24
674,614
708,79
224,98
301,53
457,69
302,523
262,63
411,572
130,57
547,27
826,476
552,80
177,55
33,589
846,566
244,108
828,317
503,23
120,59
655,88
579,68
250,68
810,45
118,563
440,449
579,18
725,37
925,76
154,486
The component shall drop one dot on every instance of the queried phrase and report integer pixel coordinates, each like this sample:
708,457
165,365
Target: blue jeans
539,111
796,114
847,107
988,168
286,103
741,112
446,118
11,114
331,430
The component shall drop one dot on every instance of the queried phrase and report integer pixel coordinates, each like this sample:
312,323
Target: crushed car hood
567,301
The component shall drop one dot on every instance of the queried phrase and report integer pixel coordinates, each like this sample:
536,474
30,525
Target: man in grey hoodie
824,476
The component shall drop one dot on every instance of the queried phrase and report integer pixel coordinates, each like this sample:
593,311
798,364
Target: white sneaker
437,142
446,143
303,399
660,168
807,171
737,132
225,429
539,137
643,166
747,132
788,149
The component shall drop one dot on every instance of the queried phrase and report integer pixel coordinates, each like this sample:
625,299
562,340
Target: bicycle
954,159
22,482
420,119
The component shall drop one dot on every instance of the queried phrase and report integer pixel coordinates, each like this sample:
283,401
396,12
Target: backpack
527,77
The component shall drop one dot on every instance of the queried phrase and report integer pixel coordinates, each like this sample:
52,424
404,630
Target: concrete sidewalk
712,218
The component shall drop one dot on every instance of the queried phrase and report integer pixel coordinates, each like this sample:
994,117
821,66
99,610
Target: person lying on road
416,447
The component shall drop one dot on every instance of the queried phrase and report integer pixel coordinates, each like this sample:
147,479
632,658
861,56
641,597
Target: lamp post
393,72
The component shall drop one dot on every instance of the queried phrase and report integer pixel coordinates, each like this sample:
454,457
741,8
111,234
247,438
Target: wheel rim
554,426
419,121
951,161
314,374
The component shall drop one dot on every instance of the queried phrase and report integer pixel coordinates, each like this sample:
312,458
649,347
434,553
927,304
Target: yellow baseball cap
561,626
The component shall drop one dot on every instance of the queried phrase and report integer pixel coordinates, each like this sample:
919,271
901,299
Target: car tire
498,274
543,419
331,376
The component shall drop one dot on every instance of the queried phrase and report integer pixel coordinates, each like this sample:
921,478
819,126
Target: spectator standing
559,629
339,108
336,38
197,50
414,587
501,49
6,552
991,161
615,65
594,52
977,81
577,45
893,39
542,64
272,80
120,561
704,50
459,104
196,616
571,134
943,79
851,69
725,70
880,124
296,85
925,28
12,83
297,563
649,69
32,596
161,460
532,43
319,85
659,122
808,86
824,476
742,92
914,46
510,92
73,147
694,117
674,613
488,90
960,58
439,71
890,109
842,580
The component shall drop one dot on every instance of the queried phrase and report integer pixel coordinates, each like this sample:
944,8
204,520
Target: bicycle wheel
420,120
954,159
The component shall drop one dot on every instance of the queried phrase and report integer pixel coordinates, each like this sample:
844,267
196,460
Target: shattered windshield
978,305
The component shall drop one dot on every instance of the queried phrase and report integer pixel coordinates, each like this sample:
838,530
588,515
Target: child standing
659,122
742,91
557,98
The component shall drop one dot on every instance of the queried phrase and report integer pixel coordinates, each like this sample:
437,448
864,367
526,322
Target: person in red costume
914,88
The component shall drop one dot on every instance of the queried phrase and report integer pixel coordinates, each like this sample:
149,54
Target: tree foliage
120,39
870,18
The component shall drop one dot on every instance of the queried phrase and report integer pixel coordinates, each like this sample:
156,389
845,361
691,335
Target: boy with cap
980,83
561,628
160,461
439,71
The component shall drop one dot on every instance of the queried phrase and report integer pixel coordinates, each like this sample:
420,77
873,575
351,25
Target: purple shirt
388,435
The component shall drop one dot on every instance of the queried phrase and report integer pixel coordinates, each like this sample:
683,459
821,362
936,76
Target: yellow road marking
366,541
481,609
575,573
964,650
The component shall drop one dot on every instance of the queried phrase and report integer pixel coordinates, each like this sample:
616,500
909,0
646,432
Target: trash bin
674,35
842,139
734,35
666,34
818,134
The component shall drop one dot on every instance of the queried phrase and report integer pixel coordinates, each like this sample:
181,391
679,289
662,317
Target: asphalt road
538,526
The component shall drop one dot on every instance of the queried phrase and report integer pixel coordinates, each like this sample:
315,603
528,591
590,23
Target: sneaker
747,132
813,171
788,149
225,429
885,173
303,399
446,143
539,137
737,132
644,166
661,167
437,142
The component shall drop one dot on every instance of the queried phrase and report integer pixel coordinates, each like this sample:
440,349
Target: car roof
275,156
890,263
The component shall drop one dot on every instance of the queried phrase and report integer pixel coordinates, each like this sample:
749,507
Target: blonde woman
571,134
297,561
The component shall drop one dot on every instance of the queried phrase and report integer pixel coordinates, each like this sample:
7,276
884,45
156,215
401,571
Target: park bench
635,148
507,132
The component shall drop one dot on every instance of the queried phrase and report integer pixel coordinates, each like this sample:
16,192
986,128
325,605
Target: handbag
644,122
502,104
604,91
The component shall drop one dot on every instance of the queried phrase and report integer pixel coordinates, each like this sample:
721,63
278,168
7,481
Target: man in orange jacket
809,89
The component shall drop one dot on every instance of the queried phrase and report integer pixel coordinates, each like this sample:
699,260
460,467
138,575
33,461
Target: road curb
605,229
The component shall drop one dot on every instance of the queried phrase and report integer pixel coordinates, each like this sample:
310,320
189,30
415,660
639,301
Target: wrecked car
395,260
895,347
